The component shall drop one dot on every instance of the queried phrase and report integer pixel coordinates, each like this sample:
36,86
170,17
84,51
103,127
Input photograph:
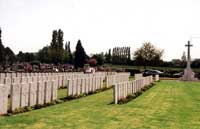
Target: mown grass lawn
169,104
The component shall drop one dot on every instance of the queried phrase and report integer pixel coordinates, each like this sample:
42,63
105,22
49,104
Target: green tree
26,57
20,56
60,39
108,56
1,51
69,56
54,39
80,56
43,55
177,63
56,49
195,63
9,56
99,58
148,54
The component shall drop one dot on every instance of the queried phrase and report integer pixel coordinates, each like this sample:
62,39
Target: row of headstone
40,88
116,78
138,76
21,74
61,79
123,89
84,85
27,94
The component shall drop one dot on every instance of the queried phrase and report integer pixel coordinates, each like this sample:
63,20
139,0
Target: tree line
58,52
55,53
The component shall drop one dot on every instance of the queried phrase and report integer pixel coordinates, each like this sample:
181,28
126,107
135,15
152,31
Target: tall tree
148,55
1,50
99,58
80,56
108,56
121,55
26,57
60,39
56,49
54,39
9,56
43,55
70,54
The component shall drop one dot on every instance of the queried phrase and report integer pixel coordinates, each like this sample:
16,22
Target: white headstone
3,99
40,92
32,93
15,96
24,96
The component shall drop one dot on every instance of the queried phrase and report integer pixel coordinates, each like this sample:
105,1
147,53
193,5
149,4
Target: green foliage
178,63
1,50
43,55
108,56
121,55
7,56
80,56
68,54
56,51
195,63
99,58
135,95
26,57
148,55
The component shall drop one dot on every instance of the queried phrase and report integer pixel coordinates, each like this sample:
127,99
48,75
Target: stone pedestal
189,75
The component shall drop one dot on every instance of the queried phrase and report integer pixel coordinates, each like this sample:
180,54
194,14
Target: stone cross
188,56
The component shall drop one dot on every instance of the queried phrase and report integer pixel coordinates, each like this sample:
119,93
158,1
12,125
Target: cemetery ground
149,67
169,104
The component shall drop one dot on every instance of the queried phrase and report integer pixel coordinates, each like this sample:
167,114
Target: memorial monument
188,75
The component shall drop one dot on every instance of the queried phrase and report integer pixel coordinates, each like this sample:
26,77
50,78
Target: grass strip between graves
168,105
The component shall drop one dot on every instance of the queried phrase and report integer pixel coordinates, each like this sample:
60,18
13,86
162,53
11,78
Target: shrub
133,96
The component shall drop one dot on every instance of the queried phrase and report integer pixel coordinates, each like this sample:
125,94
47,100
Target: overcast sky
27,25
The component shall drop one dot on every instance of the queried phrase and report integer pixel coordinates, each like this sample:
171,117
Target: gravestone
32,93
83,85
138,76
69,87
40,92
74,85
53,91
87,85
3,99
47,91
188,73
24,96
15,96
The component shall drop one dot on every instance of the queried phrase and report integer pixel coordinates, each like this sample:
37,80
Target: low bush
135,95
